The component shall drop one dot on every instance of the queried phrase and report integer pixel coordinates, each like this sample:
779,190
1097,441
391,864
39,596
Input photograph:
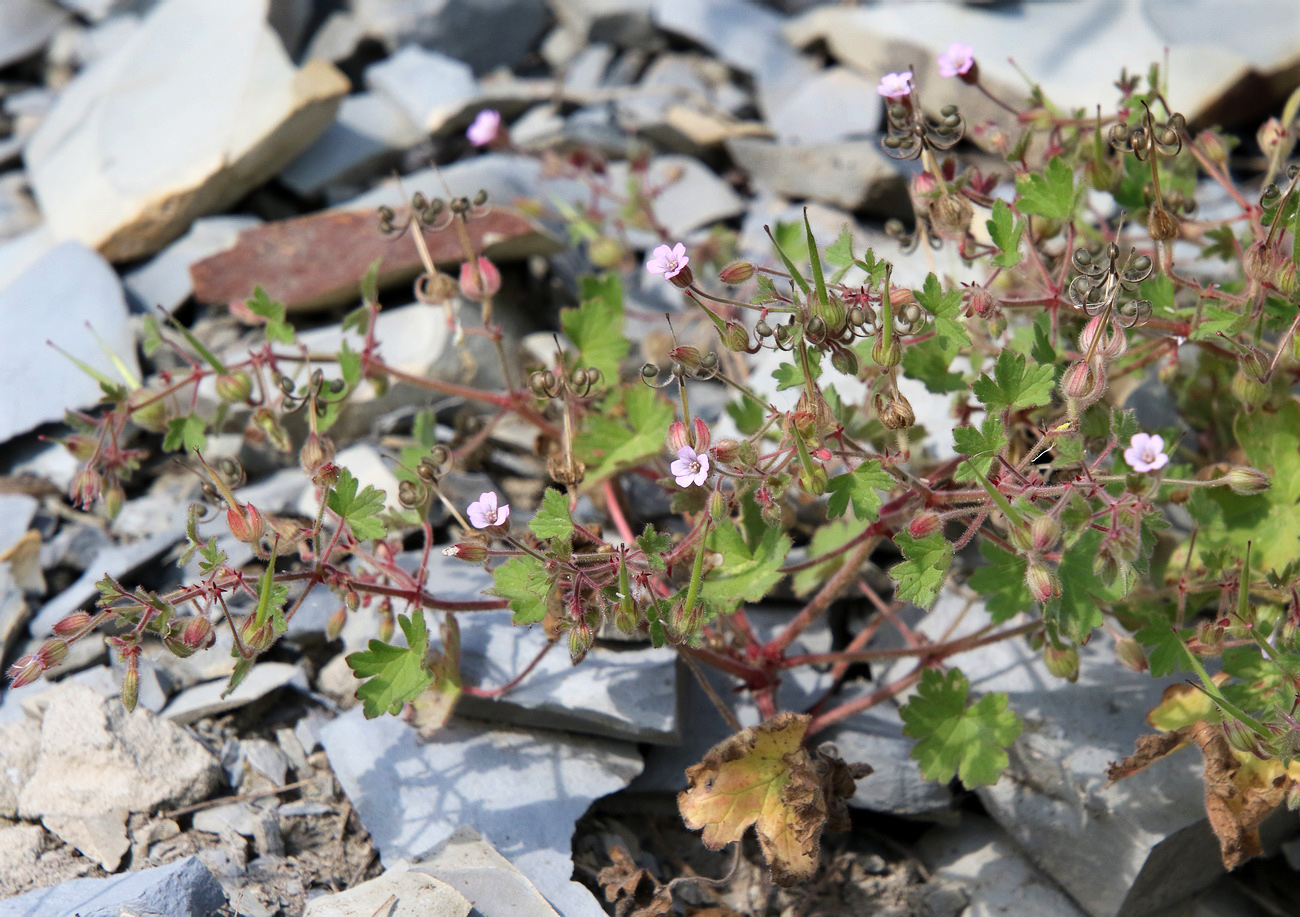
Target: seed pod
1248,391
1162,224
736,338
886,357
814,480
845,361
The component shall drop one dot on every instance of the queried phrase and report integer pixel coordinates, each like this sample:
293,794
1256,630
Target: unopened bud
1063,663
114,496
234,388
924,524
580,641
1162,224
246,523
1044,533
700,433
845,361
468,551
1246,480
1250,392
736,338
52,652
352,600
130,688
480,284
735,452
895,414
1242,738
717,506
1042,582
334,626
736,273
1210,635
197,634
1215,149
1130,654
1083,383
74,623
386,621
316,451
1271,136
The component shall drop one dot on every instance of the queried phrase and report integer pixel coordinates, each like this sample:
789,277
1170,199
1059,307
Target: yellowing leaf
763,776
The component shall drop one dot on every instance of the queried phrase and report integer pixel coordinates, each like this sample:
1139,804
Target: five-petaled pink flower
957,60
690,467
668,261
895,85
1146,452
485,513
485,127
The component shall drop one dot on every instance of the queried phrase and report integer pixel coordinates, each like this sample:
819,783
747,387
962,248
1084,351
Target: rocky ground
172,154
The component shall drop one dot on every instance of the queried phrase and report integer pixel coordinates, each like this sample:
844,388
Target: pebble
183,888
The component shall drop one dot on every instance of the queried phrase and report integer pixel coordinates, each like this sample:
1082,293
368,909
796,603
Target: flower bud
351,600
982,303
1242,738
334,626
74,623
52,652
1248,391
735,452
1083,383
148,410
896,414
114,496
1271,136
316,451
685,354
951,216
1130,654
1042,582
130,688
702,436
1063,663
1246,480
1044,533
717,506
736,273
197,634
1215,149
468,551
246,523
923,524
326,475
82,447
480,284
845,361
580,641
234,388
736,338
886,357
814,480
1162,224
1210,635
386,620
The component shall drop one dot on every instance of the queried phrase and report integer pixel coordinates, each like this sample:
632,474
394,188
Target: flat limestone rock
184,888
521,790
53,299
369,132
206,699
198,106
478,871
418,894
25,27
852,174
100,837
165,281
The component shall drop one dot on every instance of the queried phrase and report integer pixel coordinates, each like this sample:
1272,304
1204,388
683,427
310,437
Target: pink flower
957,60
487,272
486,513
1146,452
895,85
668,261
485,127
690,467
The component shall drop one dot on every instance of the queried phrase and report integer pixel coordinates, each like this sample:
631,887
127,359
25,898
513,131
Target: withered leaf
763,776
633,890
1150,748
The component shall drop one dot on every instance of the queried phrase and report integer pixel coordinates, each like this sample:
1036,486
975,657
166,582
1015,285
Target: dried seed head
1162,224
950,214
896,413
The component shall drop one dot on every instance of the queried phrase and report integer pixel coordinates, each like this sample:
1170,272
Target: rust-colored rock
319,259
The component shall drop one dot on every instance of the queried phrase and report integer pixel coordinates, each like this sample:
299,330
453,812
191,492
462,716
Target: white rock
836,104
852,175
184,888
95,10
25,27
53,300
980,856
118,561
417,894
20,845
96,762
430,88
165,280
13,611
206,699
238,817
197,107
20,743
368,467
18,213
478,871
692,196
368,133
522,791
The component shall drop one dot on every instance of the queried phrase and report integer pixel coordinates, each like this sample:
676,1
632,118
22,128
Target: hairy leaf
1052,194
1014,384
956,737
921,575
359,510
1002,583
1005,230
744,575
552,519
396,674
523,583
596,327
858,488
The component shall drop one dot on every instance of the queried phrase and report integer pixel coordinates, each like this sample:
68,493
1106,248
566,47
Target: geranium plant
1057,497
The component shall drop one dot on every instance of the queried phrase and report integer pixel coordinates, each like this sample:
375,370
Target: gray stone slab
474,868
118,561
836,104
165,279
399,892
692,196
853,175
368,133
979,856
429,88
184,888
206,699
521,790
484,34
13,611
54,299
25,27
1119,851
